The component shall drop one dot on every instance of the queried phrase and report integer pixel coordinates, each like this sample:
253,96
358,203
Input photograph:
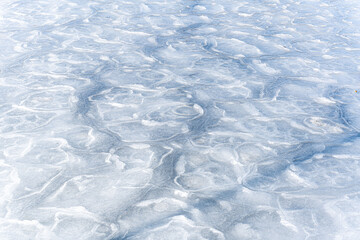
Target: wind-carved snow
179,119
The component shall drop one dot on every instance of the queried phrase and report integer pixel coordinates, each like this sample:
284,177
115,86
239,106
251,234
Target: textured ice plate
179,119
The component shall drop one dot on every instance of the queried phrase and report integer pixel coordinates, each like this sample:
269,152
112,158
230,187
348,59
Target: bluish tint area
179,119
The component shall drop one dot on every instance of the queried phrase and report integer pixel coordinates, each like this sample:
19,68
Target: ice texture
179,119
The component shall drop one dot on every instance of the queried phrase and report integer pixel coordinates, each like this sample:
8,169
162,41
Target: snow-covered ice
179,119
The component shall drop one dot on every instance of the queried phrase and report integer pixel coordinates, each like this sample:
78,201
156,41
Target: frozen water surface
179,119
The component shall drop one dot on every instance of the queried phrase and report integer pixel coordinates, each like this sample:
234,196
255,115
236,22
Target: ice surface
179,119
